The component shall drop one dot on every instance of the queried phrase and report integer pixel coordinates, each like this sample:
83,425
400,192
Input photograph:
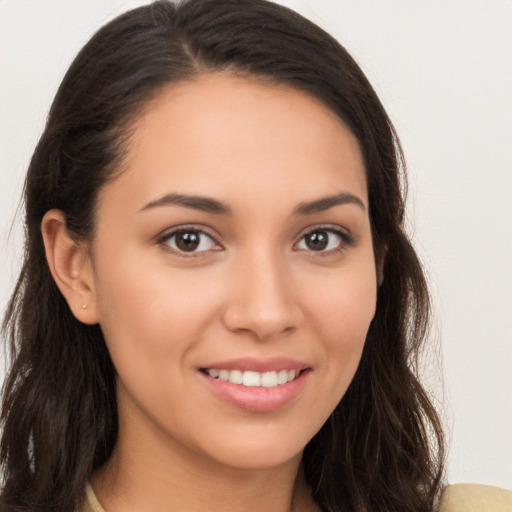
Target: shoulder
455,498
90,503
475,498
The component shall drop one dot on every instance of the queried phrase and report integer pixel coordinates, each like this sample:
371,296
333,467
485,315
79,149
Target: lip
257,399
262,365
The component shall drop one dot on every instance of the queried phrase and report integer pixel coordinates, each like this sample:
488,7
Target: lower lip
257,399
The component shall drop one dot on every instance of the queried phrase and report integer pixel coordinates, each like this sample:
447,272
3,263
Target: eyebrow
209,205
205,204
324,203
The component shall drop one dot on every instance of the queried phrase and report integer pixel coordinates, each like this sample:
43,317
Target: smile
254,379
257,384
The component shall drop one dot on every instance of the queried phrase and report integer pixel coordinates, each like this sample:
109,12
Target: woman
218,306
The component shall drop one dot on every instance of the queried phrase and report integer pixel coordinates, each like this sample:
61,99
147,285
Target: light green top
456,498
475,498
91,502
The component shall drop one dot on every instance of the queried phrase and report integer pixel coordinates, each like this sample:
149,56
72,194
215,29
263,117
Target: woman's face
233,271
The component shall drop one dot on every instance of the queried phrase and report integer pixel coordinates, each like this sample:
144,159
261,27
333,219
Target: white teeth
236,376
251,379
254,379
269,379
282,377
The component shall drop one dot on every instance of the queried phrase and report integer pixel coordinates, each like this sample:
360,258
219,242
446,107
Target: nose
263,299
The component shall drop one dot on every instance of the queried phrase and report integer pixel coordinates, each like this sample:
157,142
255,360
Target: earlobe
70,267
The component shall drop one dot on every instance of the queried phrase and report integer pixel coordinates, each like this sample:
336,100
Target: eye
189,240
324,240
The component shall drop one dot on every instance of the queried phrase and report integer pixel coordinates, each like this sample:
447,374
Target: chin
260,450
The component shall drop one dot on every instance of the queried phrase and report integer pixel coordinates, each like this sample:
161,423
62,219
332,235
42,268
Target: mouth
253,379
257,385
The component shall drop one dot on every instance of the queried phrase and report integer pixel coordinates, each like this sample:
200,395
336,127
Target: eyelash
346,240
165,239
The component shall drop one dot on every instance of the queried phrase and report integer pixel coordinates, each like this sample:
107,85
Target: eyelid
345,232
183,228
347,237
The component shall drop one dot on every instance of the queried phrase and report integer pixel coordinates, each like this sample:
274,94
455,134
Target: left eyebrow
324,203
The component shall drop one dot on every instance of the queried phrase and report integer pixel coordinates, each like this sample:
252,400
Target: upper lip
260,365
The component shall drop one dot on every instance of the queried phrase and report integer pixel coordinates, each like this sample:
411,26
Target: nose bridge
262,299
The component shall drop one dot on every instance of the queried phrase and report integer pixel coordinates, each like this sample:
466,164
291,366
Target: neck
121,485
157,474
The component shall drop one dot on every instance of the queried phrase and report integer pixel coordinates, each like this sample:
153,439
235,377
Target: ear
70,267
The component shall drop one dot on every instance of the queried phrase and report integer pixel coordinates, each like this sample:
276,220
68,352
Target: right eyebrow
325,203
202,203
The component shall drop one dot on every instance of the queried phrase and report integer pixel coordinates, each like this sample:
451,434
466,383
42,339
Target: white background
443,70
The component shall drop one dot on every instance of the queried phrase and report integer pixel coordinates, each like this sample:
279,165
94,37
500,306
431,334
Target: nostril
262,325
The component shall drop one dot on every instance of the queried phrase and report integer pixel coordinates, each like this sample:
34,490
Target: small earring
83,306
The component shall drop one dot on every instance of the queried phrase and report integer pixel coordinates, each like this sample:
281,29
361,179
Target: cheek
341,313
342,303
153,314
352,316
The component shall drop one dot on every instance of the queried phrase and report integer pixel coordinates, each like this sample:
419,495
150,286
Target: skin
255,289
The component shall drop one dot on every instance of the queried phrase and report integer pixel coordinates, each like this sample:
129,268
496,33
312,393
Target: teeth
282,377
251,379
269,379
254,379
236,376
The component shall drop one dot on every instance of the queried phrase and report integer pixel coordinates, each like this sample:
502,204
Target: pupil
187,241
317,241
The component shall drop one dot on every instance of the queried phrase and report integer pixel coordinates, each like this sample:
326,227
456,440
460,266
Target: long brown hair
382,447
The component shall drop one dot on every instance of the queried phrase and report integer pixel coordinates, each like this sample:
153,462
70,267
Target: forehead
227,135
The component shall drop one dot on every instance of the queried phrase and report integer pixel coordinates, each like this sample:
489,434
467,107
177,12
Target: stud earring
83,306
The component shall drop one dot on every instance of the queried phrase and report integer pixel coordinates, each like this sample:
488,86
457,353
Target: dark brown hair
381,448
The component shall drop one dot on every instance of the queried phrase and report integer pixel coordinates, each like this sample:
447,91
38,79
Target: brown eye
187,241
317,241
324,240
190,241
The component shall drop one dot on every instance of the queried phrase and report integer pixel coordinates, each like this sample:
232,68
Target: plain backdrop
443,70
